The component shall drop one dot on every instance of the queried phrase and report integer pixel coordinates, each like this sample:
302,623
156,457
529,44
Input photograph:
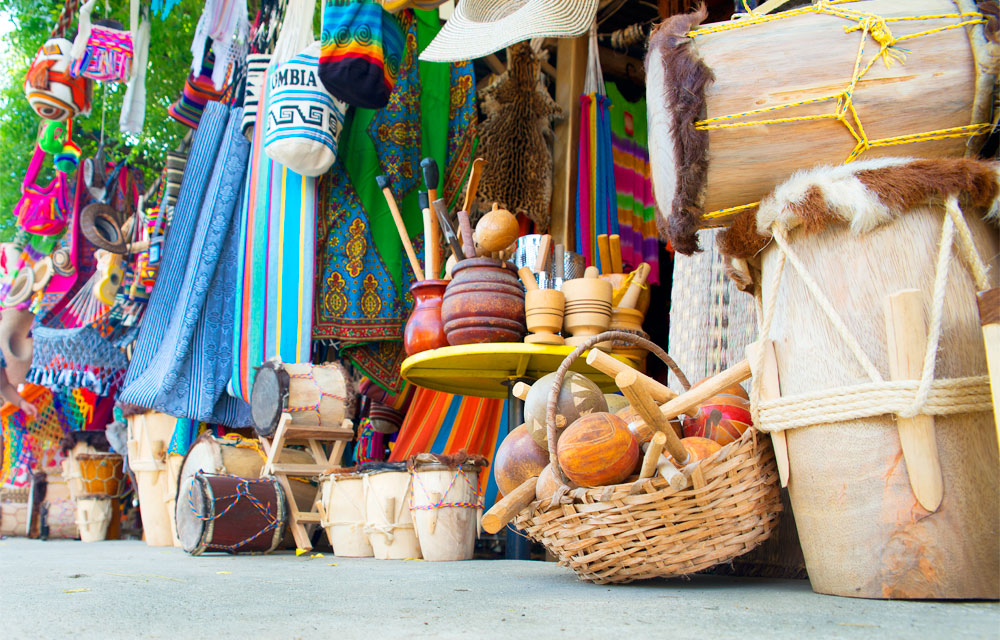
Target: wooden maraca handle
705,390
611,367
509,506
652,455
647,409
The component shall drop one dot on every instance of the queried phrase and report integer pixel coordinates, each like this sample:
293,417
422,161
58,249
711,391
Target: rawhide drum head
268,398
192,510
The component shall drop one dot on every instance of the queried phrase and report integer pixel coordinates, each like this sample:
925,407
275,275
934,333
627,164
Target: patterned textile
183,360
198,91
30,445
636,212
275,265
362,301
439,422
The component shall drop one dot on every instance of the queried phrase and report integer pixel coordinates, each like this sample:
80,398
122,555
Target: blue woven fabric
183,355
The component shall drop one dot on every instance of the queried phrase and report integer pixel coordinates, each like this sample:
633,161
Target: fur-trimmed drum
445,505
387,514
705,83
862,233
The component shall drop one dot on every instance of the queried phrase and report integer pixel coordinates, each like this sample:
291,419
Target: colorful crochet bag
42,210
198,91
101,51
53,93
303,120
362,52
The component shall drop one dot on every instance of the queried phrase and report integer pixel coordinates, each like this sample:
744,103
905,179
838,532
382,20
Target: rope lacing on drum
322,393
906,398
869,24
242,492
441,504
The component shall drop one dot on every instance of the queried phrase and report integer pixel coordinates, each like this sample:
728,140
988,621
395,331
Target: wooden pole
906,338
571,65
770,389
615,246
604,252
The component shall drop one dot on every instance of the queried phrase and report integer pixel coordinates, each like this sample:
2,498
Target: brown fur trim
454,460
990,9
741,239
899,188
906,186
687,77
129,409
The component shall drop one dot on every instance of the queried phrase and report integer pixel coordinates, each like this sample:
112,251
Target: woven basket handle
550,409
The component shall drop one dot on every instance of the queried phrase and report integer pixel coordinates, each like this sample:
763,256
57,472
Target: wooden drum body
387,514
93,515
148,438
862,529
231,514
344,519
101,474
445,507
704,161
313,395
229,456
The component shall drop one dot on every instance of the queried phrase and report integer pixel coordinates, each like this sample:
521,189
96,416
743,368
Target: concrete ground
67,589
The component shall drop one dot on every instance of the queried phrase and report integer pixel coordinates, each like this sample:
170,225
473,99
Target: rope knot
878,29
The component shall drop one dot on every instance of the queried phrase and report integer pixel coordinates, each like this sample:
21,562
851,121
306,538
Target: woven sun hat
478,28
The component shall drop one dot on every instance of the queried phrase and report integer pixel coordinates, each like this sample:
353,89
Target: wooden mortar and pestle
588,308
543,310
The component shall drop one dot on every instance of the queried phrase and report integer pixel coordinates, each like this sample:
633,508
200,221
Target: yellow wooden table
488,370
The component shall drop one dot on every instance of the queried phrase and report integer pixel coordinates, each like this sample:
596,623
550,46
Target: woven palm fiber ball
697,448
598,449
518,458
577,397
548,482
722,418
643,432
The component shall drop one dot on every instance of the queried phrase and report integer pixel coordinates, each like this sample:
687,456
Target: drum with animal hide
231,514
93,515
313,395
729,119
101,474
233,456
445,505
344,514
891,452
387,512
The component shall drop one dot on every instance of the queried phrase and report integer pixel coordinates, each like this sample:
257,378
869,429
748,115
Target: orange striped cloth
439,422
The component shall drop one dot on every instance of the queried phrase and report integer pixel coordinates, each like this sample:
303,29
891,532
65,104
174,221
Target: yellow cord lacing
869,24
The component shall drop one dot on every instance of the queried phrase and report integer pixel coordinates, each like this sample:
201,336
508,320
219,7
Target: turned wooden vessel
484,302
588,307
544,315
425,330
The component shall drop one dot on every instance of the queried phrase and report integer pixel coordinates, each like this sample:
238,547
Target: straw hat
479,27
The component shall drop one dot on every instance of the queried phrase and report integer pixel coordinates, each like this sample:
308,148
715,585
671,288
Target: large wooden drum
706,83
863,529
238,457
101,474
231,514
313,395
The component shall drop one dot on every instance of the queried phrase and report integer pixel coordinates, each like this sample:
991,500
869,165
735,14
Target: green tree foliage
28,24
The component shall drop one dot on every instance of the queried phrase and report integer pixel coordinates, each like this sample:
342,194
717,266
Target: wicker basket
646,529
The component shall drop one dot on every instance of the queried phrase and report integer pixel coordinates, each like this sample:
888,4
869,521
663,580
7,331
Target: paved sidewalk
65,589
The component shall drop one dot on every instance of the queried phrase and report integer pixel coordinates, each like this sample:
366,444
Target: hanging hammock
596,203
